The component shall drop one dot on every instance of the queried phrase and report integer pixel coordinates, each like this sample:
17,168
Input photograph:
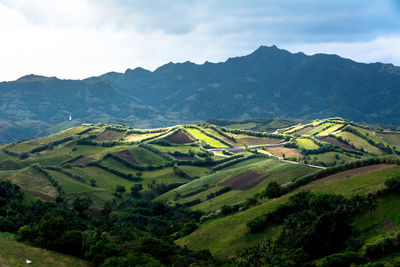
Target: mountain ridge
270,82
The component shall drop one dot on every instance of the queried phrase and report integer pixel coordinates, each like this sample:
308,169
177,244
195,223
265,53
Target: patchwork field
209,140
307,143
225,242
360,143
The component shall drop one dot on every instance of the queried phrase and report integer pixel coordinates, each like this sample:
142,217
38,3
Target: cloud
81,38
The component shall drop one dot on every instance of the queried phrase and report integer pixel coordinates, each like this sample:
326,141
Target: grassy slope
331,157
330,130
26,146
14,254
277,170
319,128
211,141
29,178
307,143
226,235
359,142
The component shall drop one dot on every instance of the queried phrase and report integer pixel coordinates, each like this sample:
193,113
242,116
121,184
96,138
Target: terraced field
307,143
360,143
209,140
225,242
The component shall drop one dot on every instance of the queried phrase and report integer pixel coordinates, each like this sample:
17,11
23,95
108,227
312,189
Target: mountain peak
34,78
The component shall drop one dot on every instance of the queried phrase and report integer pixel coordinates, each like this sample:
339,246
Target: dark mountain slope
269,82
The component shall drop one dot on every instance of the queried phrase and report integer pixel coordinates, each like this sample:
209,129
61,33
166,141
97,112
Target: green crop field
332,157
330,130
29,178
307,143
139,137
211,141
182,148
71,186
359,143
275,169
225,241
319,128
244,126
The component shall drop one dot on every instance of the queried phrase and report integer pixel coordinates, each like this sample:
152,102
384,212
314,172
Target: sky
76,39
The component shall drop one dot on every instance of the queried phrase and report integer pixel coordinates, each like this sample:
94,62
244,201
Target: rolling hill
217,180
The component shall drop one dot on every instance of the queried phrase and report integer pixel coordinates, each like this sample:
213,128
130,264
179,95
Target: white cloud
82,38
383,49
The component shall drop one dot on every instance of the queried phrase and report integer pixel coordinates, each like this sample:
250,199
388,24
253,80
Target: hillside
269,82
14,254
211,179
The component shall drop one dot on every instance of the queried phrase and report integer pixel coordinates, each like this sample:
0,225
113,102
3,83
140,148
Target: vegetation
144,200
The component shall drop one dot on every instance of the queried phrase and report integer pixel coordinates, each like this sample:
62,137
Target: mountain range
270,82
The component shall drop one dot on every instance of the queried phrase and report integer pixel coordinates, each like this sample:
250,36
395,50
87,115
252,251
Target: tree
273,190
371,202
135,190
93,182
119,190
82,203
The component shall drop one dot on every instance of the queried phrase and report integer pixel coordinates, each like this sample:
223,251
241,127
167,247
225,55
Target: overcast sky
82,38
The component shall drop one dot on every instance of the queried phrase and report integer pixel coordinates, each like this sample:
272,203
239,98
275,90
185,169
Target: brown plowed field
179,138
128,156
358,171
336,142
304,130
280,150
109,136
390,138
82,160
245,180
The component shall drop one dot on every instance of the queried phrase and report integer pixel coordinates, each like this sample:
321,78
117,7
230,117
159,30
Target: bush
341,259
273,190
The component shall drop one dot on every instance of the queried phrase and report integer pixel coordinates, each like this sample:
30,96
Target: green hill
224,180
13,253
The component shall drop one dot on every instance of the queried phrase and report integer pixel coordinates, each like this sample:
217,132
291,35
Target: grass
277,170
224,236
352,185
330,130
307,143
147,157
195,171
139,137
71,186
244,163
294,129
319,128
359,143
211,141
182,148
332,157
27,146
14,254
29,178
385,219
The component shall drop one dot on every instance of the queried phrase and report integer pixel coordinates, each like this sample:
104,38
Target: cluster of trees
139,233
314,225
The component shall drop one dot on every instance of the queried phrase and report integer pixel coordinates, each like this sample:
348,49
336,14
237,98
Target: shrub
341,259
